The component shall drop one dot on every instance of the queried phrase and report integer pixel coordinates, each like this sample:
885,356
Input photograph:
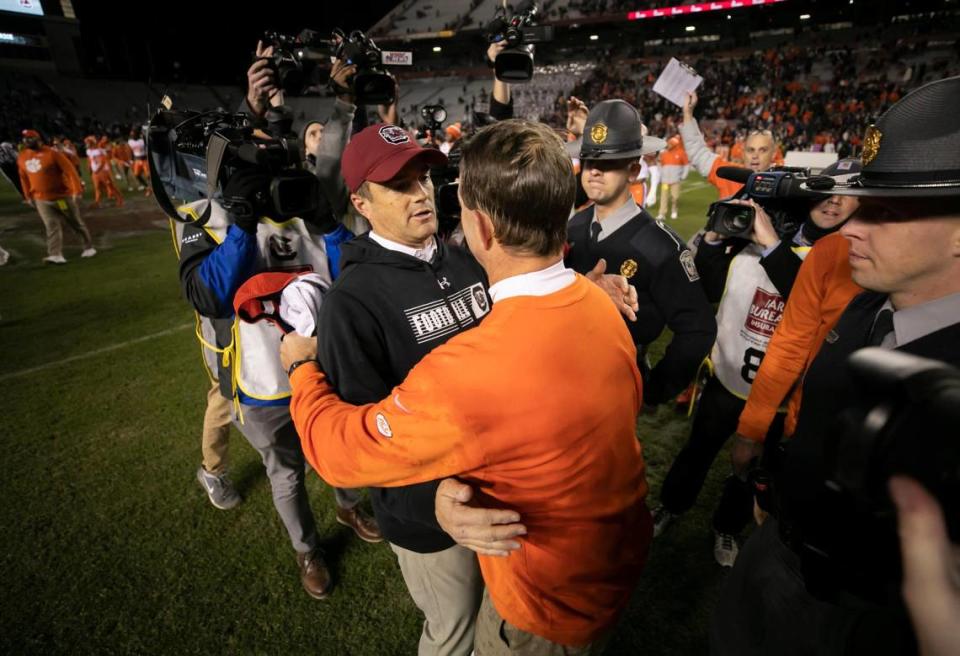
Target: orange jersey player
139,150
98,157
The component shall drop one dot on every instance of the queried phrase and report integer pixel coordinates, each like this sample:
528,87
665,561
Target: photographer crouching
820,576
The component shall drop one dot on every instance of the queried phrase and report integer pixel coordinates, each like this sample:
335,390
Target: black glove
246,197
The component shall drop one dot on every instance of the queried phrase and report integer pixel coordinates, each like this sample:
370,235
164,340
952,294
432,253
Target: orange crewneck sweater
820,294
47,174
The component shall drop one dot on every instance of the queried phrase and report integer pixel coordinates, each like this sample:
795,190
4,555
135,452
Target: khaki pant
446,586
52,212
497,637
216,430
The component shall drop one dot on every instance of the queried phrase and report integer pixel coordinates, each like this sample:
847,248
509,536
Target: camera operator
759,150
501,101
751,281
215,260
787,594
263,89
648,254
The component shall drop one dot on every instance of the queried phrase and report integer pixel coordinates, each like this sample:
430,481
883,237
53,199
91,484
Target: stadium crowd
480,369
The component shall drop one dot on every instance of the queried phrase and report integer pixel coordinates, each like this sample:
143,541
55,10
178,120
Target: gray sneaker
725,549
662,518
219,488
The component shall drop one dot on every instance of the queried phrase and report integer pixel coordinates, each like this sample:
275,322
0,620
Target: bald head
758,150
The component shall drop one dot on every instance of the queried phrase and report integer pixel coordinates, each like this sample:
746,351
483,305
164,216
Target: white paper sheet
676,81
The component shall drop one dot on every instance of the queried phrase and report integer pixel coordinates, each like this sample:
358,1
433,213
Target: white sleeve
701,157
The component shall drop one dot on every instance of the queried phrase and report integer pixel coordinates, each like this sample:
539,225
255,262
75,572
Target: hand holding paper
676,81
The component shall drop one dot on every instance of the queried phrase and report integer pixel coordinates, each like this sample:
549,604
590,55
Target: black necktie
595,232
882,326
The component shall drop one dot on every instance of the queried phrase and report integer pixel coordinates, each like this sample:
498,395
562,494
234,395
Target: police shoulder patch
689,267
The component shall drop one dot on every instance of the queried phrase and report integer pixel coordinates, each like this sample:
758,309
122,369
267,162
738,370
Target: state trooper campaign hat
614,130
913,150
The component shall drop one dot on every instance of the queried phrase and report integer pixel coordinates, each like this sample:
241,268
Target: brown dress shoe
363,525
314,574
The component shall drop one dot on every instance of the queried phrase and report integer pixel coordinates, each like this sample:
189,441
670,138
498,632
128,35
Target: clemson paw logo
33,165
394,135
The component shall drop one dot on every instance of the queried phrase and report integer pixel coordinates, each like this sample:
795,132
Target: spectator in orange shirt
758,149
673,168
122,156
736,151
66,147
52,185
496,405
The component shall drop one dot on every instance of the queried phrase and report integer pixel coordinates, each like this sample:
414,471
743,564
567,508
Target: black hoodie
384,313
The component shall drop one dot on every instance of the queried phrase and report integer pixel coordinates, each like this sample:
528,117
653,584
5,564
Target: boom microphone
734,173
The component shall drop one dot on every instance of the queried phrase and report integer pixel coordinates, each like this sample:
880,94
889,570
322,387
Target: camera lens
737,221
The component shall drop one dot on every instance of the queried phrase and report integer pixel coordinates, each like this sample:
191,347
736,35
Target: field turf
109,546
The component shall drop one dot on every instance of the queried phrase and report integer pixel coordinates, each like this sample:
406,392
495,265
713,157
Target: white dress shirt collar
536,283
424,253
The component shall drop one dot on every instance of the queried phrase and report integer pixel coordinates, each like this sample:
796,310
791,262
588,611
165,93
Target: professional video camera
904,422
295,60
446,185
515,62
372,84
194,154
777,191
433,117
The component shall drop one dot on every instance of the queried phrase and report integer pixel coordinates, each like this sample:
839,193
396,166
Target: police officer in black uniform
652,257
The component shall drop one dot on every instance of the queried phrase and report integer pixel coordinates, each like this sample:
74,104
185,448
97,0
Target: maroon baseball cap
377,153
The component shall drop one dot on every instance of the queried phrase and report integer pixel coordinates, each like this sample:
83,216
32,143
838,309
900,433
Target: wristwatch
293,367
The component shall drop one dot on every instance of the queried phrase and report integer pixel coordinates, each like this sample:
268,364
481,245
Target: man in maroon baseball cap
403,292
388,176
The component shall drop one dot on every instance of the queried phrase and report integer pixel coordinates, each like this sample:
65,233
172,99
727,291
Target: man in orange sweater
491,406
822,290
52,185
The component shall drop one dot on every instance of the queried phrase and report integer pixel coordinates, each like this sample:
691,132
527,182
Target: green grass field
109,546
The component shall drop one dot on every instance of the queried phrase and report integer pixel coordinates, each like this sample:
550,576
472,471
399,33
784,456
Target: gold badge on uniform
598,133
628,268
871,144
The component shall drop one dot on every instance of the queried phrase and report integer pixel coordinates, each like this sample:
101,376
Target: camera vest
253,354
749,312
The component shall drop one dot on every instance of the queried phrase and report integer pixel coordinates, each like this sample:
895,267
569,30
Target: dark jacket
386,311
781,264
661,267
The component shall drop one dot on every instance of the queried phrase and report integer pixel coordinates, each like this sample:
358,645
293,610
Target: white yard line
95,353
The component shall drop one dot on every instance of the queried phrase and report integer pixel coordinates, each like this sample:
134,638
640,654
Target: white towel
300,302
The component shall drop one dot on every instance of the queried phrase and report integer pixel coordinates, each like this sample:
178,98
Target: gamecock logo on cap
394,135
